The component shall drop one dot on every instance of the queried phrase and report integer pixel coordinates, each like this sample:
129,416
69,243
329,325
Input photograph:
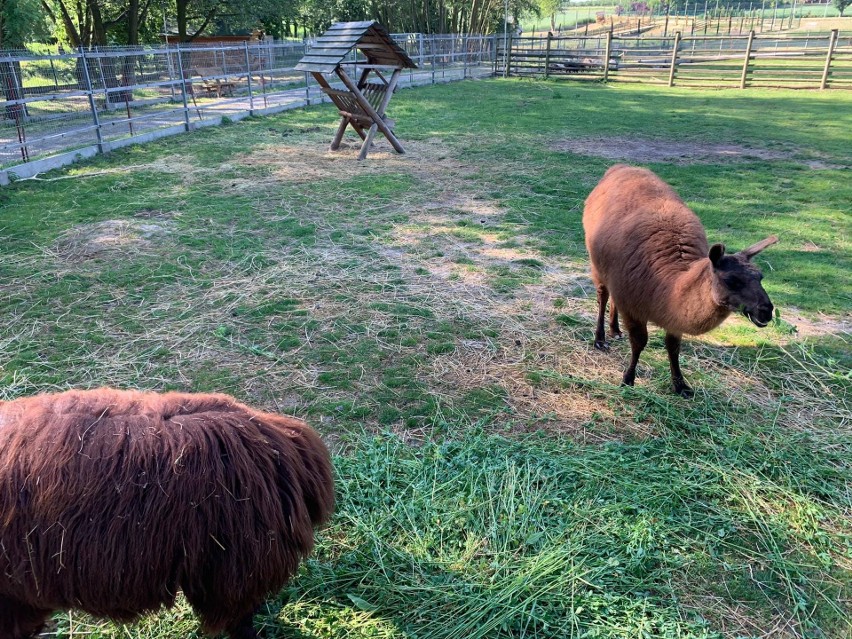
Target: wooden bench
214,82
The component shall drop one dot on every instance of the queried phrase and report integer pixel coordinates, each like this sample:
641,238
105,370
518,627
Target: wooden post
832,41
607,53
744,76
508,54
674,58
369,110
365,147
547,56
248,79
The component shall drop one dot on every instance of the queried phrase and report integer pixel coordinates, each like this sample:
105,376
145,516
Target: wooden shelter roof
369,37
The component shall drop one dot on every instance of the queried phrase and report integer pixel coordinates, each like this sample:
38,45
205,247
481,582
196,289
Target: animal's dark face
736,282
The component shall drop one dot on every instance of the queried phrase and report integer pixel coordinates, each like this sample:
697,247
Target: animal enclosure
431,314
821,61
92,101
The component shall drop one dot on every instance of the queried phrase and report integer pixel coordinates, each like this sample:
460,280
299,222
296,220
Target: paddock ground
431,314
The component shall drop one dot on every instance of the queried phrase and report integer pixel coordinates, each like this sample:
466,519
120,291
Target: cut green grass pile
431,314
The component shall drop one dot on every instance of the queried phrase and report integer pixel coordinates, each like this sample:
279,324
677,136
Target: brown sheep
112,501
649,253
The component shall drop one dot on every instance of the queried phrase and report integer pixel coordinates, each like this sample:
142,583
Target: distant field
581,14
432,315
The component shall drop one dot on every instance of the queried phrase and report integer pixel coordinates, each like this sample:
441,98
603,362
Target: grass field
431,314
580,14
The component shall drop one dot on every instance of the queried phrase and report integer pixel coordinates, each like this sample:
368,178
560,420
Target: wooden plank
363,24
337,37
316,68
335,51
377,119
319,58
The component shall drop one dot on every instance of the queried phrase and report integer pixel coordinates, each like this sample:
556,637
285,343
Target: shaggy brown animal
649,253
111,501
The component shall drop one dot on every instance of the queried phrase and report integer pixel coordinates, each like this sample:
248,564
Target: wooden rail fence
822,61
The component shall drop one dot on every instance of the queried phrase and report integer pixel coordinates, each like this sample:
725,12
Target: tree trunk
181,20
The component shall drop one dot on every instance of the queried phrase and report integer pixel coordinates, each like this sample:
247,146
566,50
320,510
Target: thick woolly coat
112,501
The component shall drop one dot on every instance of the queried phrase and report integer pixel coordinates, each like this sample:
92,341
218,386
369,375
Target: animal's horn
754,249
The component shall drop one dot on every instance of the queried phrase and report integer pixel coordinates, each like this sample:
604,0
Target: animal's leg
600,339
219,613
673,348
20,621
243,629
614,330
638,333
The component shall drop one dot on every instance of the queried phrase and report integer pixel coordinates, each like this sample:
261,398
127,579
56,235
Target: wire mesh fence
90,101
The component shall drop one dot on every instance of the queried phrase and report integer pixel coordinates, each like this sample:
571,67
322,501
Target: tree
194,17
20,22
841,5
549,8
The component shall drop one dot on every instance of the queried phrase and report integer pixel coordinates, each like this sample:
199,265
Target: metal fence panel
108,97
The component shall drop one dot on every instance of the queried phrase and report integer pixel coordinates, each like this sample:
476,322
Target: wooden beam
369,110
365,148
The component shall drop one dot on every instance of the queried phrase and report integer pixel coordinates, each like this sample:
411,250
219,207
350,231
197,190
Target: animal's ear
716,253
754,249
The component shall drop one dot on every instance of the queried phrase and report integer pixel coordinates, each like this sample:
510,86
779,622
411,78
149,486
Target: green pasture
578,15
432,316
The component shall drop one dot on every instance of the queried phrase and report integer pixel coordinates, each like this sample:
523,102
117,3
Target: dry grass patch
111,238
638,149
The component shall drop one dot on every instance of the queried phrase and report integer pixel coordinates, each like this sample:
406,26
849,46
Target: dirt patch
634,149
824,25
109,238
818,326
310,161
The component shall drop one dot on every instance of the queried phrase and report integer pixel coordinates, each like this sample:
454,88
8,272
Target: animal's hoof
601,346
627,382
615,335
684,391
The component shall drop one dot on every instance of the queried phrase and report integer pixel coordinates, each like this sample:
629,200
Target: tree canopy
117,22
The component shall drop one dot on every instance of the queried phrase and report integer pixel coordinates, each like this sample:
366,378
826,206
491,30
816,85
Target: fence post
103,81
92,105
832,41
55,77
494,50
747,59
183,88
465,54
432,56
307,78
674,58
421,43
248,79
547,56
508,54
607,53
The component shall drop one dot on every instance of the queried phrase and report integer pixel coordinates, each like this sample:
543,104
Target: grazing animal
111,501
649,254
